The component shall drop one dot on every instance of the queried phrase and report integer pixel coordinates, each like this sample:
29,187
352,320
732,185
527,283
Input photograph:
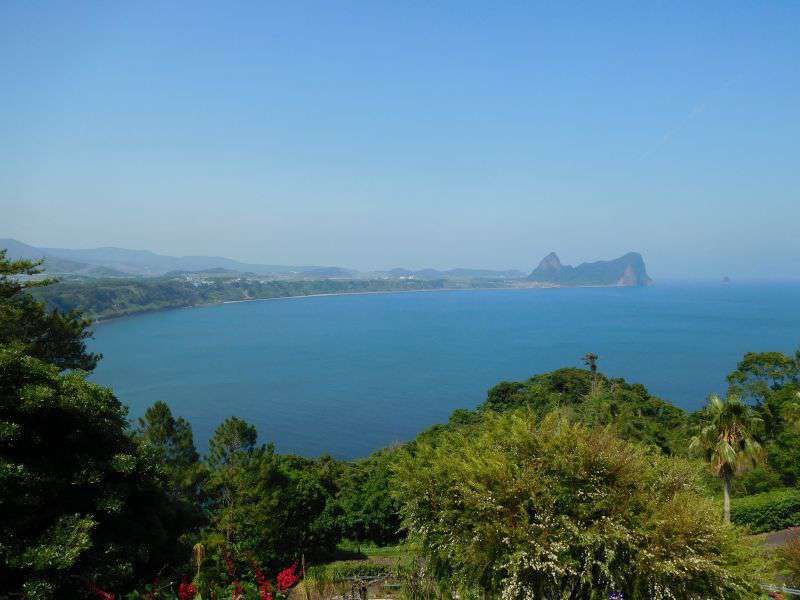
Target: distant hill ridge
110,262
627,270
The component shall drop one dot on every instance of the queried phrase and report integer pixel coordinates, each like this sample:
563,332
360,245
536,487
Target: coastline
534,286
100,320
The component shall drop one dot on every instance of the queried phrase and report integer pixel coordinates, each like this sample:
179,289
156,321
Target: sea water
346,375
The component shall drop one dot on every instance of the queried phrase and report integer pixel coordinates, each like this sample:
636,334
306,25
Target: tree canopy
53,336
80,500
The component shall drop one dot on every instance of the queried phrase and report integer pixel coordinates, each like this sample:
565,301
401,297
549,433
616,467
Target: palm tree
727,440
590,360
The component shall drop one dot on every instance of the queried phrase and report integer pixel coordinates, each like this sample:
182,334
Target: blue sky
381,134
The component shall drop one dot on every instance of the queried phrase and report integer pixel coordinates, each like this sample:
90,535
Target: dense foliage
524,508
591,398
80,499
769,511
266,507
770,381
367,511
55,336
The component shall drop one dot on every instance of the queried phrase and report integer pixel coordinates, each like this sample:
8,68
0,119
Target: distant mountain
122,262
54,264
627,270
110,261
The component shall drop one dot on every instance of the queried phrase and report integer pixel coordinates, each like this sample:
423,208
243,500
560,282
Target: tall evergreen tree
52,336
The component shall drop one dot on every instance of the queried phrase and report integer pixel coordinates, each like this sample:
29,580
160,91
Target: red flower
287,578
187,590
264,590
264,586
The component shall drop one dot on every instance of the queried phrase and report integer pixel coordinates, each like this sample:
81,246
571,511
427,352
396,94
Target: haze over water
346,375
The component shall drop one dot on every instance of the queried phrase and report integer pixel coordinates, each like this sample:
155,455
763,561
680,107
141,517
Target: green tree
264,506
369,512
519,509
770,379
53,336
595,399
759,372
233,442
232,488
171,440
173,437
80,499
590,360
727,441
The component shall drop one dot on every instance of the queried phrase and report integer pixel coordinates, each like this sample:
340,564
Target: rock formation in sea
627,270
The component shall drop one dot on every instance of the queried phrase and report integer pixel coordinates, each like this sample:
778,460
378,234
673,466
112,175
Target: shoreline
101,320
365,293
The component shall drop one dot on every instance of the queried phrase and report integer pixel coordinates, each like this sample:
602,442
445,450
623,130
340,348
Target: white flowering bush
519,508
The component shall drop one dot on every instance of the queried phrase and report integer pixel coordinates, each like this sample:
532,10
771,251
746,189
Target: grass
367,550
353,561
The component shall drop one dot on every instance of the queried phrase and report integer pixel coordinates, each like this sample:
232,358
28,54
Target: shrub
769,511
519,509
342,570
758,480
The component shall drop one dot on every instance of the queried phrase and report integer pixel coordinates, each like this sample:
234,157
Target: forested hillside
106,298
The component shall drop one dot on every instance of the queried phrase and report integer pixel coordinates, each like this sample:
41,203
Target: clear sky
380,134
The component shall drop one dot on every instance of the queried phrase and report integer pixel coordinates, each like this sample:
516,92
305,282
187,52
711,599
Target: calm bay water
349,374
